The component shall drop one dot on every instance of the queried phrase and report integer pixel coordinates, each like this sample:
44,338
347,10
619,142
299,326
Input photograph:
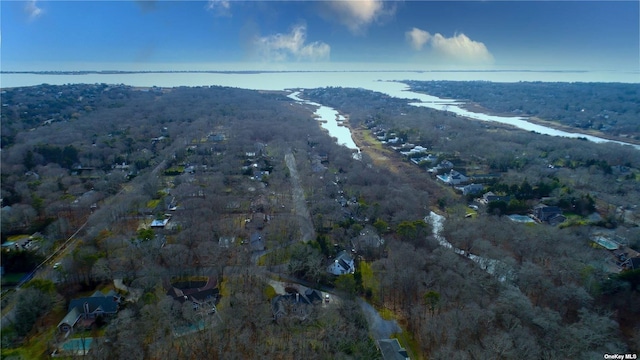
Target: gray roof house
471,189
549,214
295,304
89,308
391,350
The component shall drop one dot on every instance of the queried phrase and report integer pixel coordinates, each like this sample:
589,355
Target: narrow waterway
454,106
332,121
497,268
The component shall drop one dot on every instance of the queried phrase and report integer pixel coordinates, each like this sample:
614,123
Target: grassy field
39,343
275,257
368,279
152,204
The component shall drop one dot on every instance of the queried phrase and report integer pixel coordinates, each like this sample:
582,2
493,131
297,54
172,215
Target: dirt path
299,203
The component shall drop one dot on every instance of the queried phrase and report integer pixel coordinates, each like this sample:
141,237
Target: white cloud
458,48
32,10
291,46
417,38
357,15
219,7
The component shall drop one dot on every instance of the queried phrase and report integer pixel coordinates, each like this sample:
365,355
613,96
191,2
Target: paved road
299,203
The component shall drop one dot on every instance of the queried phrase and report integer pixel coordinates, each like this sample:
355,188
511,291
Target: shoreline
479,109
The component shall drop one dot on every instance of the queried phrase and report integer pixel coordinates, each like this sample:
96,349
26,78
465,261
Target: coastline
479,109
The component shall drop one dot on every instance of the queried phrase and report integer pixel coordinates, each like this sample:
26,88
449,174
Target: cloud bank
32,10
291,46
357,15
458,48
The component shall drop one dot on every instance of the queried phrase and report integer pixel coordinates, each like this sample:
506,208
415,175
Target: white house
342,264
453,178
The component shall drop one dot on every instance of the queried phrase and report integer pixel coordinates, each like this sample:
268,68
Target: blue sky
421,35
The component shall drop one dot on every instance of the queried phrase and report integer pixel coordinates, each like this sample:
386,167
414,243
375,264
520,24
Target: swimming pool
521,218
79,346
606,243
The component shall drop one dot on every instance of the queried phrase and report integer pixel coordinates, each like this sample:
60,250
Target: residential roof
313,295
342,264
197,294
71,318
159,223
106,302
547,209
391,350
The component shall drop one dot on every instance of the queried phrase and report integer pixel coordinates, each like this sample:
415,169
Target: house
159,223
342,264
257,221
444,165
391,349
453,178
417,159
314,296
295,303
87,309
633,263
290,305
471,189
413,150
226,241
490,197
207,292
549,214
557,219
367,240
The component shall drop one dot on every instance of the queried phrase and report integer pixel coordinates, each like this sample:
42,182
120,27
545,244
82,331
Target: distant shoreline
119,72
477,108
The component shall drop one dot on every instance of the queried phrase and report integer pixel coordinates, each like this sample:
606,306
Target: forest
213,218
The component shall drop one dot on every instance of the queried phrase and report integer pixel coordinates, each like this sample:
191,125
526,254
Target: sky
326,35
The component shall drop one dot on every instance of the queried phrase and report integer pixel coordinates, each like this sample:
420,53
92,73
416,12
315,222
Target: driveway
379,327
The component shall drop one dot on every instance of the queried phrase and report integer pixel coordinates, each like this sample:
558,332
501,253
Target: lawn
369,281
275,257
17,237
152,204
408,342
38,344
373,142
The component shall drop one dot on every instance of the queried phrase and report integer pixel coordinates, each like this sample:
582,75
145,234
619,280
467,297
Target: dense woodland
226,164
610,108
